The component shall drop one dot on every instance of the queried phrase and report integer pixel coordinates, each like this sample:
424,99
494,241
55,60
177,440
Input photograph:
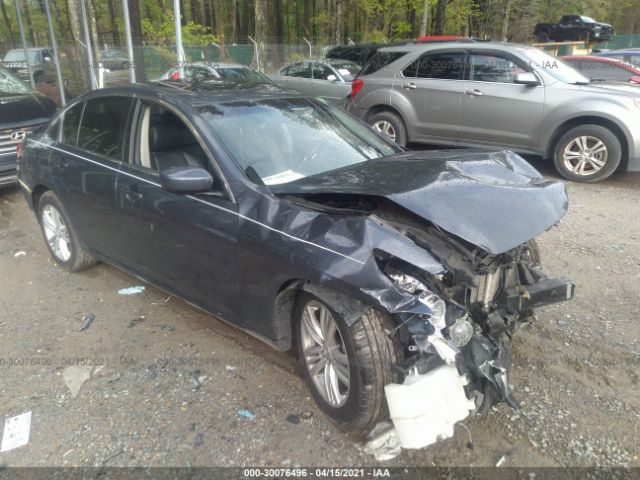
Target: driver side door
185,243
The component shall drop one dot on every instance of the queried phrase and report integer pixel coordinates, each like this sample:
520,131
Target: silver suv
500,95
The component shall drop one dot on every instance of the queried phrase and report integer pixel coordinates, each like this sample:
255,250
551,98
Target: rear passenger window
102,127
443,66
70,124
300,70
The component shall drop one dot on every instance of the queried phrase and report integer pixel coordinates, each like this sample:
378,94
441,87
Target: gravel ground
167,381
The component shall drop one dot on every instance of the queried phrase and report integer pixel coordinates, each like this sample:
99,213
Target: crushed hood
494,200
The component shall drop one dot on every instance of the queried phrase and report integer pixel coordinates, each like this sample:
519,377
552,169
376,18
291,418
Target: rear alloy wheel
346,367
588,153
60,237
390,125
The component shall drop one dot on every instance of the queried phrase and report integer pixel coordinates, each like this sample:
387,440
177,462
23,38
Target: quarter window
493,68
70,124
443,66
102,127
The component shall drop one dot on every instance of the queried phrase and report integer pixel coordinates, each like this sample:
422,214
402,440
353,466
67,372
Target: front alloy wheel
346,366
588,153
325,354
384,127
585,155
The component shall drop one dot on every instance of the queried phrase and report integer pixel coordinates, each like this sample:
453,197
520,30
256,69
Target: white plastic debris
74,376
425,408
16,432
21,253
131,290
382,442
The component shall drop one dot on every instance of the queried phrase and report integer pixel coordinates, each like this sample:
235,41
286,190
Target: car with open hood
22,112
290,219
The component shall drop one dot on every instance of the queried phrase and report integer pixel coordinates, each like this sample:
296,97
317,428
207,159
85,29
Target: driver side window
322,72
166,141
493,68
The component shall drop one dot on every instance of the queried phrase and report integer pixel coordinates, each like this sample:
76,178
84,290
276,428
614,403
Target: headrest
169,136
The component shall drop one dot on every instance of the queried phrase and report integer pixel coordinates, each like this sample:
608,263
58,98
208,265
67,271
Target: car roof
30,49
591,57
209,91
620,52
461,44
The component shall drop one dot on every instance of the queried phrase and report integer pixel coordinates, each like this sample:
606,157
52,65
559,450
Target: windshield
11,84
348,70
18,56
559,69
587,20
242,73
285,139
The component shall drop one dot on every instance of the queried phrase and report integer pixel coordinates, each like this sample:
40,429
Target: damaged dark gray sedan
398,277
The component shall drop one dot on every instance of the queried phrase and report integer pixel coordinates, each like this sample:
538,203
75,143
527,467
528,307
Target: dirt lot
576,370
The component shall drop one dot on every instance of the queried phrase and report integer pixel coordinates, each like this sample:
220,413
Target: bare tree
505,22
260,31
425,18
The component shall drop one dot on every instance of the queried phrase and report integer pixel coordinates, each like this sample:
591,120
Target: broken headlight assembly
459,332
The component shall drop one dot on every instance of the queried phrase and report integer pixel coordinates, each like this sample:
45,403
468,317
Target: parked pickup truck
573,28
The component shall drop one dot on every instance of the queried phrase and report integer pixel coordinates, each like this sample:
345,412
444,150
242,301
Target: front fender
608,110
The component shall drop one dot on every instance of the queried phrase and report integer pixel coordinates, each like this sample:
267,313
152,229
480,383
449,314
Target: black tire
396,122
603,134
80,258
371,355
543,37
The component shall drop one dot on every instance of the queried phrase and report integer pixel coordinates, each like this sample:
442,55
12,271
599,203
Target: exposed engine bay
472,308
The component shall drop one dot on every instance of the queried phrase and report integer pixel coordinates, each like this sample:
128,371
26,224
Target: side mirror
186,180
526,78
332,78
47,59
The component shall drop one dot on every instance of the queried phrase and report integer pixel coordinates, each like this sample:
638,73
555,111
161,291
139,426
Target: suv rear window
380,60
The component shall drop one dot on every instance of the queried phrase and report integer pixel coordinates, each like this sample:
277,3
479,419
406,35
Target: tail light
356,86
20,149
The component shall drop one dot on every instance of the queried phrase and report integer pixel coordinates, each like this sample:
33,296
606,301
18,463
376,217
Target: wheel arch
37,192
589,120
349,308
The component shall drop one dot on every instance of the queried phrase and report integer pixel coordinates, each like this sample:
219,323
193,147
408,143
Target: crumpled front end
458,328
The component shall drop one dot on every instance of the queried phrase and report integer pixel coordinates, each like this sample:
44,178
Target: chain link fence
111,63
153,61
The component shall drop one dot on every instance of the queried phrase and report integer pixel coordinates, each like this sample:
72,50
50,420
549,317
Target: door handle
132,196
474,93
409,86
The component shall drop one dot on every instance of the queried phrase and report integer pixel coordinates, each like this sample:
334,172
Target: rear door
84,166
434,85
495,109
184,243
